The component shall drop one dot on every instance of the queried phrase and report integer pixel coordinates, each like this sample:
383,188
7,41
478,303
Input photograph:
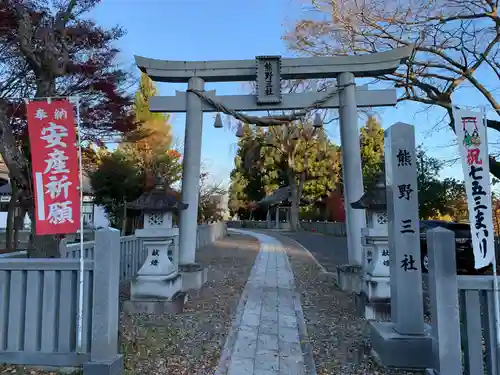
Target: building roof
280,195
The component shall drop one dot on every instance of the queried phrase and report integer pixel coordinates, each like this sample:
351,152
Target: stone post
404,230
403,342
191,172
104,357
443,292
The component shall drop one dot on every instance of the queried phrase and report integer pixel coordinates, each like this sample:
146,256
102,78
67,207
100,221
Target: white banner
472,142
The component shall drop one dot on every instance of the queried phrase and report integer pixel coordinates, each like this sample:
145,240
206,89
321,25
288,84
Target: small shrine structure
158,282
374,295
276,205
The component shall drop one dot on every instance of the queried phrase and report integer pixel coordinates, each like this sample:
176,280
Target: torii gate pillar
191,169
351,166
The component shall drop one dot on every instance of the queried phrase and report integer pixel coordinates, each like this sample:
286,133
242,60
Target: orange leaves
174,153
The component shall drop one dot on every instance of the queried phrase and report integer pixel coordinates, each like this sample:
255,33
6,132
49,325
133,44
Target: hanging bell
240,132
218,121
318,122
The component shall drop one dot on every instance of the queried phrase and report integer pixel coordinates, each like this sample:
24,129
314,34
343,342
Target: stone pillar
104,356
444,301
351,164
191,173
404,342
350,275
404,230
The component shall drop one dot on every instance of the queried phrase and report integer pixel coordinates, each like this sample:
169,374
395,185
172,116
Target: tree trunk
124,220
14,197
294,202
18,226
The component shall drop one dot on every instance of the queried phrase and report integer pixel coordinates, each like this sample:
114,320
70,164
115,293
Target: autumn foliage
46,51
52,49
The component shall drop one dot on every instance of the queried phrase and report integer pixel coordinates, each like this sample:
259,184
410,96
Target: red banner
54,158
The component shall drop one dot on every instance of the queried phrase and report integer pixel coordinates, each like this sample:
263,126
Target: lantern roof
159,199
374,199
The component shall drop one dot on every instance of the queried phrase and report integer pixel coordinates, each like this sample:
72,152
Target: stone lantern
158,280
375,294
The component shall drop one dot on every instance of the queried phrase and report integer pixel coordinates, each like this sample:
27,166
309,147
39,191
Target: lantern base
350,278
377,287
194,276
373,309
155,288
173,306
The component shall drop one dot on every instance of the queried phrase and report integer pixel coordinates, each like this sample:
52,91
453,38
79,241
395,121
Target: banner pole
496,297
79,331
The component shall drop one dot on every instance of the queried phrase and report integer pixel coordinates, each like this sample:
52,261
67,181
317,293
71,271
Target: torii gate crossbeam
291,68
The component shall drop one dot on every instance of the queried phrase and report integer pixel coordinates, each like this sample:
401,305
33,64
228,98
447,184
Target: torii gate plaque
269,71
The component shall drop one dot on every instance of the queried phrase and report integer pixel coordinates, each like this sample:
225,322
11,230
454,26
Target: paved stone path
266,335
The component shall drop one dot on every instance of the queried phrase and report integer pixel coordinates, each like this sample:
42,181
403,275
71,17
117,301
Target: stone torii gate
268,71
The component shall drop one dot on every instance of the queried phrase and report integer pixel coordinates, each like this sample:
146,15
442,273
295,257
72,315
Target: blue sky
243,29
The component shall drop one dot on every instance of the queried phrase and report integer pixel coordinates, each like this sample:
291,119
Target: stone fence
323,227
209,233
464,326
39,299
132,253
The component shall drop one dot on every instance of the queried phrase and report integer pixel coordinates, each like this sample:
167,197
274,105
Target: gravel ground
338,336
329,251
188,343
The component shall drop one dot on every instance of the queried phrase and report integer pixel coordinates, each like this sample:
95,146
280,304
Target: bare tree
456,43
292,149
48,49
209,209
